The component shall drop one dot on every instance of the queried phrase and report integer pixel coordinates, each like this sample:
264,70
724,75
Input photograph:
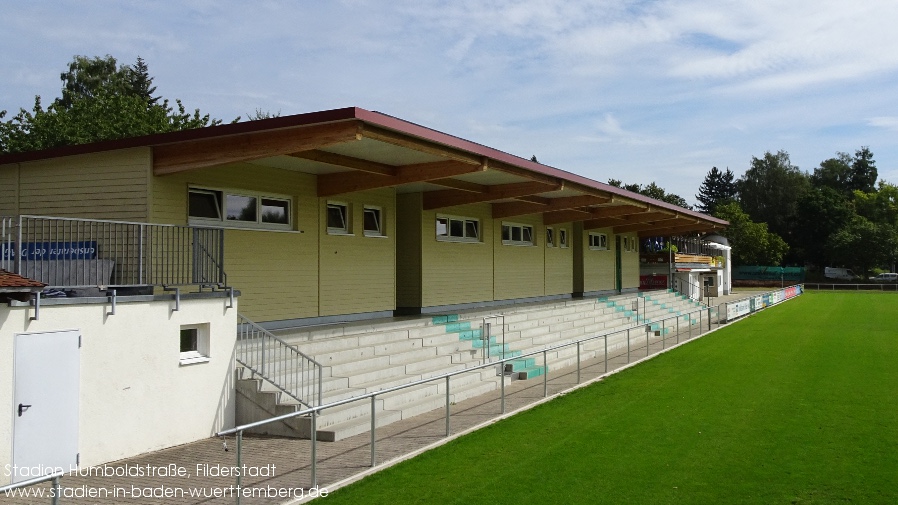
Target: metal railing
72,253
879,286
692,290
279,363
9,490
684,326
756,302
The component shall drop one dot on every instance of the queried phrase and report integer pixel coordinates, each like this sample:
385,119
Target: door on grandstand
45,404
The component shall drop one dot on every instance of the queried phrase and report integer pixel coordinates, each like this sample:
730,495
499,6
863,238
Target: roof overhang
354,149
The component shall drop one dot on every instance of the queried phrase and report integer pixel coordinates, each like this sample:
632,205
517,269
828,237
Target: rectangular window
457,229
223,208
337,218
517,234
373,222
562,237
194,347
550,237
598,241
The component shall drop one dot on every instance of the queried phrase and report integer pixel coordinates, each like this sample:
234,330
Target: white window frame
346,213
562,238
378,211
221,197
598,241
525,229
466,232
550,236
200,353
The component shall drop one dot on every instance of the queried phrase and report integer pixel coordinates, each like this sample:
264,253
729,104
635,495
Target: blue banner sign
48,251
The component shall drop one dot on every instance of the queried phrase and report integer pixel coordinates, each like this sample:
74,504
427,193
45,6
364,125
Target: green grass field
797,404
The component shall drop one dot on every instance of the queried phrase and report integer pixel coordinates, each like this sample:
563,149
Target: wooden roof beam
340,183
672,230
341,160
510,209
452,197
216,151
396,139
653,225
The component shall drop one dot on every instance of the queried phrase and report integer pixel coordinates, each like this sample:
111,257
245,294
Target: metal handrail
54,495
882,286
66,252
801,287
314,411
282,365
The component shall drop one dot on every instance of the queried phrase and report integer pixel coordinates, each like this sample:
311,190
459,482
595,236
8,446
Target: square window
456,228
442,227
471,230
337,221
275,211
194,344
204,204
241,208
373,225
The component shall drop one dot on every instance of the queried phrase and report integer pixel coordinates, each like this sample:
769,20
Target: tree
652,191
863,244
834,173
717,188
821,211
863,171
752,243
769,192
846,174
99,101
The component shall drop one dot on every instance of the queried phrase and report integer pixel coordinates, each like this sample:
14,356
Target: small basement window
338,218
598,241
517,234
457,229
194,344
373,222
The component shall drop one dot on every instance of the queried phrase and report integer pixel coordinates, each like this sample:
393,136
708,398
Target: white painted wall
135,395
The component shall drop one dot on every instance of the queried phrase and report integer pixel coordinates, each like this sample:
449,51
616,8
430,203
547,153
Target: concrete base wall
135,394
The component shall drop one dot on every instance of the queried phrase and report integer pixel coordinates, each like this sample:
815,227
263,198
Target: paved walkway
277,466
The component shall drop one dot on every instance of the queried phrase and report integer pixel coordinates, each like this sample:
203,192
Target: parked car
885,277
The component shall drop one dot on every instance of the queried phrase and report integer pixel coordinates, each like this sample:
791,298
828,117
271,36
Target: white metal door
45,404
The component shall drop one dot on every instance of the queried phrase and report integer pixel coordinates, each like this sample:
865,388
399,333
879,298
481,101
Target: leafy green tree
821,211
879,206
863,171
717,188
862,244
769,192
652,191
100,101
834,173
752,243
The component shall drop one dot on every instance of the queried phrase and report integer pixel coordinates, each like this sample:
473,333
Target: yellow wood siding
559,267
109,185
519,269
409,231
598,266
276,272
9,190
630,264
457,272
357,272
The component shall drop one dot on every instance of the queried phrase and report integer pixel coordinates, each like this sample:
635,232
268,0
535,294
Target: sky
640,91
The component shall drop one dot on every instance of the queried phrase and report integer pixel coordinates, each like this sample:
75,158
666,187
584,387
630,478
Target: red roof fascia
345,114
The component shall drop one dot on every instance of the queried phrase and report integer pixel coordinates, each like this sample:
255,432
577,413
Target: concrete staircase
365,357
